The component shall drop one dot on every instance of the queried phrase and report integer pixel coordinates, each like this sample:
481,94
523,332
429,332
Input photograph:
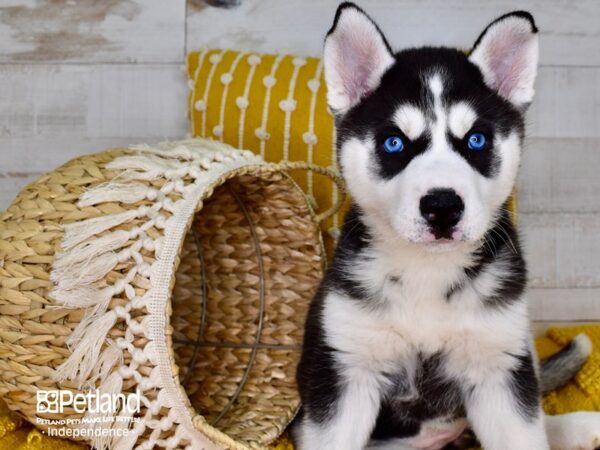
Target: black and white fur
420,328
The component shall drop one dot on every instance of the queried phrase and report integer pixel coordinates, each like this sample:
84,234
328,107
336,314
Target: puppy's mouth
436,236
435,241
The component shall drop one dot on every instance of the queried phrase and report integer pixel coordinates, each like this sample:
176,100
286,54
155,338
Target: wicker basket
181,273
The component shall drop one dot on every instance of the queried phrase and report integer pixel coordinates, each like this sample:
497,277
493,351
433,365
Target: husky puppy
420,326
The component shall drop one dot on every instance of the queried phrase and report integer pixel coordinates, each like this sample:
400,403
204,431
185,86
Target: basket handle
330,172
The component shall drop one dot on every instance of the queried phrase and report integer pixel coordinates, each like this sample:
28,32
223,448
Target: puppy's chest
406,322
400,321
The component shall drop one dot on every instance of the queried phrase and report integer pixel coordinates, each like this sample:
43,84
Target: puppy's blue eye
393,144
476,141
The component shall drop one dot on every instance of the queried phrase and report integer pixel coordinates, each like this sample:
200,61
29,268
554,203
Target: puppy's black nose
442,209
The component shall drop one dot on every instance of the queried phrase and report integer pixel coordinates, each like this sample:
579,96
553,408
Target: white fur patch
439,126
461,119
352,423
579,430
493,415
436,87
410,120
490,279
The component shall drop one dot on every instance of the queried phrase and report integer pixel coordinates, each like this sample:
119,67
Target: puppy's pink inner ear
507,56
355,56
359,61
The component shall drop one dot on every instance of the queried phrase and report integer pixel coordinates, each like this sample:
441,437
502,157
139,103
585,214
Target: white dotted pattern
288,106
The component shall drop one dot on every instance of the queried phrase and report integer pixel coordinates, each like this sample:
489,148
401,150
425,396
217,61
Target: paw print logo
47,402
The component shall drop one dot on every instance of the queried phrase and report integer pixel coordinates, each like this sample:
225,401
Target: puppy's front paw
575,431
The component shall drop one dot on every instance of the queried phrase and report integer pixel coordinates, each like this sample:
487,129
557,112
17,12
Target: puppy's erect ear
507,55
355,57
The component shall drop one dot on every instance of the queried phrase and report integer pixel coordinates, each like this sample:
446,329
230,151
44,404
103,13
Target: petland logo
94,402
100,420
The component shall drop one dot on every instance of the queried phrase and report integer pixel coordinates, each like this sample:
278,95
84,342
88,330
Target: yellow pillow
274,105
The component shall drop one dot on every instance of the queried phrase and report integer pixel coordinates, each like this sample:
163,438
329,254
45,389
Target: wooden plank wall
77,77
81,76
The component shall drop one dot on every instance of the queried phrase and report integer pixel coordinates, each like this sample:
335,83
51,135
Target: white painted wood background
81,76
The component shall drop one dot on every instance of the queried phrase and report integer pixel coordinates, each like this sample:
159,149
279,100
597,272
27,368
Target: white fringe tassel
145,163
110,358
121,426
85,348
78,232
86,251
180,152
102,421
114,192
129,440
81,296
88,325
85,272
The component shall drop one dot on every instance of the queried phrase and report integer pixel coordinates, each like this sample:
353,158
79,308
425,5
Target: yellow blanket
583,393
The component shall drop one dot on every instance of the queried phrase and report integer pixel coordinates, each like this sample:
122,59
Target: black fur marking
456,287
405,83
354,238
391,164
525,388
395,279
317,377
436,396
483,160
501,243
388,426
